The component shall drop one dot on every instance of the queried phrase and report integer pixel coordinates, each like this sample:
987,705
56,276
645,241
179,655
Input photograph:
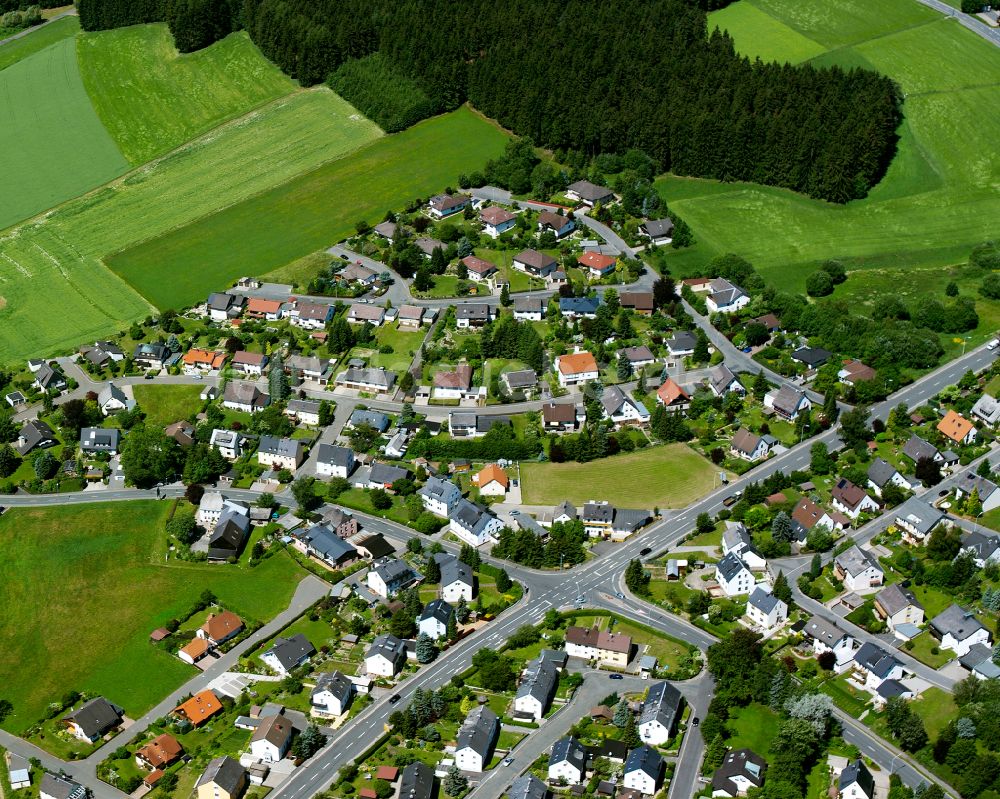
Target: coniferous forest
576,75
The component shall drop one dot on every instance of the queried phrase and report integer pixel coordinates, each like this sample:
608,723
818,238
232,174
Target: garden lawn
666,650
938,198
153,99
101,571
753,727
922,646
311,212
667,476
57,262
38,40
52,144
404,344
164,405
936,707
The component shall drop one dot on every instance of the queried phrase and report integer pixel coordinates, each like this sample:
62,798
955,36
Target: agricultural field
57,261
309,213
152,99
93,634
38,40
164,405
939,197
668,476
53,145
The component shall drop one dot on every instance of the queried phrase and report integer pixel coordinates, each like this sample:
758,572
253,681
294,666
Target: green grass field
939,197
165,405
308,213
83,588
667,476
152,99
62,253
52,145
38,40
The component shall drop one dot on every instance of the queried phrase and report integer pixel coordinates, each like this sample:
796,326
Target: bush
819,284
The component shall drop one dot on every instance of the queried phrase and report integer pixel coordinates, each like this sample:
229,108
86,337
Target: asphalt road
977,26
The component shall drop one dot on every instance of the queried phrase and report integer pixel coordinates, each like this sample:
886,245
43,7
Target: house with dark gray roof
527,786
987,490
332,694
457,580
741,770
643,770
287,654
536,689
223,778
787,402
58,786
49,378
386,656
100,439
897,605
589,193
661,711
917,519
882,473
334,461
440,496
828,637
375,419
323,543
659,231
476,739
472,314
434,618
984,548
765,610
416,781
874,665
733,575
856,781
229,534
722,381
567,762
94,719
858,569
389,576
682,343
917,449
813,357
473,524
35,434
959,630
367,379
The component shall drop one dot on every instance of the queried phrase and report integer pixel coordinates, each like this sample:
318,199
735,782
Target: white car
993,344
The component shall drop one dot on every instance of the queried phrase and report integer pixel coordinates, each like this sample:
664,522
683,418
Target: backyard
164,405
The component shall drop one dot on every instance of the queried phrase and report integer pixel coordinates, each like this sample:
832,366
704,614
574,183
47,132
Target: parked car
616,677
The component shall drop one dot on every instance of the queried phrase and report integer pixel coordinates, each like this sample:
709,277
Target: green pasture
164,405
38,40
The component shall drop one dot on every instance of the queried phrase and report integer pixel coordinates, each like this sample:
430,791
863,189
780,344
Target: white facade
639,780
455,591
433,627
564,770
381,666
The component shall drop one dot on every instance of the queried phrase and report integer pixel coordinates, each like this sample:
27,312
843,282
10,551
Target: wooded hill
575,75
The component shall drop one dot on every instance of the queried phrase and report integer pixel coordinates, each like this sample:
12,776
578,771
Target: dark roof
334,455
730,566
527,786
371,418
225,772
957,622
96,717
291,651
858,772
644,758
656,228
812,356
417,782
479,731
881,472
437,609
894,598
569,749
60,787
739,763
663,704
916,448
875,659
376,546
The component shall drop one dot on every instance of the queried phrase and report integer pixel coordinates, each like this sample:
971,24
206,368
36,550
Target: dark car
730,500
394,699
616,677
645,551
696,721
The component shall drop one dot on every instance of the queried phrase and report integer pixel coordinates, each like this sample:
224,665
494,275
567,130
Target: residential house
917,519
896,605
416,781
287,654
440,496
854,371
16,399
100,439
229,534
530,309
271,739
94,719
332,695
750,446
567,762
882,473
57,786
957,428
579,307
159,753
979,660
851,499
672,397
462,424
736,540
523,380
856,781
874,666
473,525
858,569
497,221
828,637
249,364
360,274
597,264
480,270
224,778
228,442
639,301
725,297
643,770
428,245
917,449
492,481
194,650
722,381
807,515
369,379
199,361
558,224
246,397
812,357
388,576
280,453
151,356
18,771
258,308
787,402
638,357
334,461
959,630
534,263
622,409
181,432
112,399
473,314
658,231
413,316
765,610
560,417
580,367
362,312
443,205
386,657
311,315
34,434
220,627
199,708
457,581
734,576
536,689
434,618
984,548
476,739
661,712
322,541
453,384
223,307
374,419
527,786
987,490
681,344
591,643
589,194
741,770
49,379
598,518
987,410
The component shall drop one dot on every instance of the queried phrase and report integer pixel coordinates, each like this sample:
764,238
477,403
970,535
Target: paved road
974,24
29,31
